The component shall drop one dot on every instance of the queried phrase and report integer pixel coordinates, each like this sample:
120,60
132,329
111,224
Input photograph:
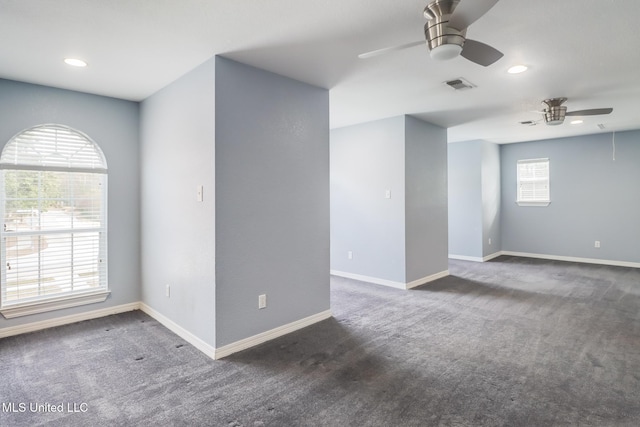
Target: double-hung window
533,182
53,204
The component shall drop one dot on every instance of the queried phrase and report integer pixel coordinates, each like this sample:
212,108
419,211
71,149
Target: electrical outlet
200,193
387,194
597,244
489,240
262,301
349,255
168,291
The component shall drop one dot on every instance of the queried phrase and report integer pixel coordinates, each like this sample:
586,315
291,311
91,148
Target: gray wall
593,198
474,199
425,199
177,134
399,239
272,200
465,199
367,160
113,125
491,198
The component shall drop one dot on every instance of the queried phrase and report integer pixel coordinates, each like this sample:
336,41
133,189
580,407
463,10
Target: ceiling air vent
460,84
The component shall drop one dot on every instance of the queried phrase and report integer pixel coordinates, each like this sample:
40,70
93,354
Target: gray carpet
512,342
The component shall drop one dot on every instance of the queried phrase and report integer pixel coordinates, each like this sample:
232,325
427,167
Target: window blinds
533,180
54,241
53,146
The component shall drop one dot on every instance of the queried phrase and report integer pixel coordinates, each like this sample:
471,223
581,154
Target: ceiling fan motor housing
555,115
555,112
443,42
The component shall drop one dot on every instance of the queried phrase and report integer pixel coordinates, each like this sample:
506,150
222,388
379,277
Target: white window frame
82,156
545,181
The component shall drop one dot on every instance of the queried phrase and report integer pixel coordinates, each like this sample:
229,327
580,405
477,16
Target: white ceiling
586,50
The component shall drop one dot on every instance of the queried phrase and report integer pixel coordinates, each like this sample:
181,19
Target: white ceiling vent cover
460,84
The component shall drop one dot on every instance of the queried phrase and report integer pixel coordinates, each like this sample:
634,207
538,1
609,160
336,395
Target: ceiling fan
446,29
555,112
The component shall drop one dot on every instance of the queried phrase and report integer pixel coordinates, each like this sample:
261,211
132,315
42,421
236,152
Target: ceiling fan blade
467,12
480,53
591,112
382,51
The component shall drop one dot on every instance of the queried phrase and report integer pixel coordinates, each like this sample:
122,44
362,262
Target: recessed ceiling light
74,62
517,69
576,122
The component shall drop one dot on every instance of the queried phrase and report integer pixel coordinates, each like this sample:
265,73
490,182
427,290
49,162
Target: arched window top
53,146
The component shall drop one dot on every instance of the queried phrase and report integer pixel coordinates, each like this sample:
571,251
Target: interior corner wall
426,203
366,161
593,197
177,131
491,199
474,200
272,200
465,200
113,125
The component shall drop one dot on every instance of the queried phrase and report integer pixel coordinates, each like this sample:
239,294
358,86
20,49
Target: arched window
53,203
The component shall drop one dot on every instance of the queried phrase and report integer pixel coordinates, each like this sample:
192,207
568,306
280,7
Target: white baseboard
476,259
269,335
198,343
218,353
466,258
212,352
390,283
65,320
427,279
492,256
549,257
376,280
574,259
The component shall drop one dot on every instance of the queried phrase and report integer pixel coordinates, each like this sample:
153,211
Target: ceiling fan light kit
445,52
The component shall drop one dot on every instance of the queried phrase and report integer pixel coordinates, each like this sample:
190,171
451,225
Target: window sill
547,203
25,309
